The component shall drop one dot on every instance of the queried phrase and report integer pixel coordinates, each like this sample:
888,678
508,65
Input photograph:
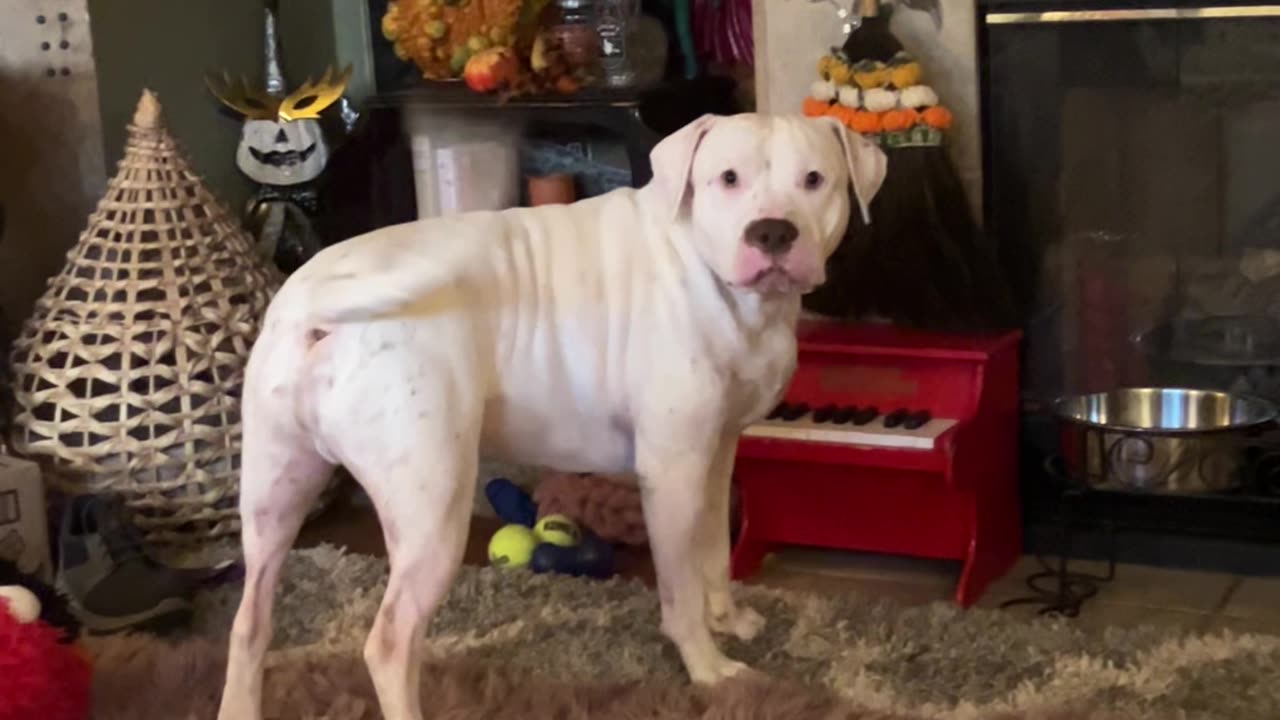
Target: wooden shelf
456,95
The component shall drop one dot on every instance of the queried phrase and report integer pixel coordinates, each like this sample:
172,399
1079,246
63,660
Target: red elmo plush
41,676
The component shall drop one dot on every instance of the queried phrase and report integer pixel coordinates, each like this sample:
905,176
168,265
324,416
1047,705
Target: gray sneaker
105,570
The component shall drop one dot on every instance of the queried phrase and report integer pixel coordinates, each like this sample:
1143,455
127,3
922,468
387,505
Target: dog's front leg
674,481
723,613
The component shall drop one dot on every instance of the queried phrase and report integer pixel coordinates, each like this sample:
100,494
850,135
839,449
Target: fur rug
516,645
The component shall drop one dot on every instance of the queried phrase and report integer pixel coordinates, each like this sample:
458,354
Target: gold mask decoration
307,102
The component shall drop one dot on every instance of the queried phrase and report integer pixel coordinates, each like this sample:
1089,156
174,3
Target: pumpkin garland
884,100
923,262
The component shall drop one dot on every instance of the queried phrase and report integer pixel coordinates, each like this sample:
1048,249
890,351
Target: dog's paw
719,670
741,622
239,711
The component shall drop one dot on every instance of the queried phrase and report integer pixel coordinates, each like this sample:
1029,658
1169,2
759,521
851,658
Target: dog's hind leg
423,491
280,480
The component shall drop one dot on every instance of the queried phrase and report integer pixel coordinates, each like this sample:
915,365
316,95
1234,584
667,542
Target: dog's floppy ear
867,165
672,161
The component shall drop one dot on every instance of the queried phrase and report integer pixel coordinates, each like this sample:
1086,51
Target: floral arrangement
885,101
495,46
439,36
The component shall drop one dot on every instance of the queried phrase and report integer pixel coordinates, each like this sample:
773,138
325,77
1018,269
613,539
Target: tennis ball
512,546
557,530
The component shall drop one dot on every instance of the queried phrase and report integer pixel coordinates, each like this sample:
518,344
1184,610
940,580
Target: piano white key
873,434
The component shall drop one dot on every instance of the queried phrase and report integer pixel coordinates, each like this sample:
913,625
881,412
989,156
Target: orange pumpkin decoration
843,114
938,117
867,123
903,119
814,107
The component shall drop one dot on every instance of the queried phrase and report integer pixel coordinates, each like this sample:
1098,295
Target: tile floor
1139,594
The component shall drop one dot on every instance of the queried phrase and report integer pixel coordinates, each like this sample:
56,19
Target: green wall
168,45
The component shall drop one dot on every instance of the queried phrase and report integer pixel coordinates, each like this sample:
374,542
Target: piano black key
916,420
866,415
777,411
795,412
824,413
844,414
895,418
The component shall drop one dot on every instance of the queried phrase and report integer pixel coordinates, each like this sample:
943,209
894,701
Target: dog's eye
729,178
813,180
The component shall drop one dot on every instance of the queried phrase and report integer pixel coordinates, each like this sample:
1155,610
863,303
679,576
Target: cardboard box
24,526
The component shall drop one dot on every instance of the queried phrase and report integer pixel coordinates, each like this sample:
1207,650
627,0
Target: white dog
639,331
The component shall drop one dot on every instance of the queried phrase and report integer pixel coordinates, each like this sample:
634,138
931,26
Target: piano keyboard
850,425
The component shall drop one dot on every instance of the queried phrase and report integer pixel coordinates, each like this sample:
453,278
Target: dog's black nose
772,235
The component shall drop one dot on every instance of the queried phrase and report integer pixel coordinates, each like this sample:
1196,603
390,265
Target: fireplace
1132,182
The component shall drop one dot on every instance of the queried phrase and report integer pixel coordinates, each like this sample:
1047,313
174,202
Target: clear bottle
614,19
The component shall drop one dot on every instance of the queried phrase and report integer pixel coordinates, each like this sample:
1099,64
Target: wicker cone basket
128,374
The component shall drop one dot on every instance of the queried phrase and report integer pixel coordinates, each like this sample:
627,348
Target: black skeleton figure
283,149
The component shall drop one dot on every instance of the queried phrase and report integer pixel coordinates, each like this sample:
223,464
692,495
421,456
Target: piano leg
749,551
994,546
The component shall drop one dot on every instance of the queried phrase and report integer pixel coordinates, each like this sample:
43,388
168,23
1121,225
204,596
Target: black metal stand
1245,490
1058,590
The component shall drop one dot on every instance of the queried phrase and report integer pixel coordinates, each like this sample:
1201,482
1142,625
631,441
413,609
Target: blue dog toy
513,505
592,558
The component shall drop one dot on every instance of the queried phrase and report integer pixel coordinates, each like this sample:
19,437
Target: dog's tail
367,285
351,298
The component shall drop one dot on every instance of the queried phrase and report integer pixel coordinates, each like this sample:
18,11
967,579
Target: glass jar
576,33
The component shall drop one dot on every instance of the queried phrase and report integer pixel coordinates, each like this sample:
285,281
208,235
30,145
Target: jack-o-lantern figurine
283,149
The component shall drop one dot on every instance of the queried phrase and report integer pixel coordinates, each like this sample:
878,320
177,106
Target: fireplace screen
1133,185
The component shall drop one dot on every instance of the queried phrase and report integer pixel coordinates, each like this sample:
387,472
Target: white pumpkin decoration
850,97
823,90
282,152
879,100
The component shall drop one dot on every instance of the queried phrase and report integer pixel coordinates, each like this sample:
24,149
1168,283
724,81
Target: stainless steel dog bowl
1166,411
1159,439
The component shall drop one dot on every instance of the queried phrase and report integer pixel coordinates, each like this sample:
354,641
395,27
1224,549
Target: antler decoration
307,102
239,95
311,99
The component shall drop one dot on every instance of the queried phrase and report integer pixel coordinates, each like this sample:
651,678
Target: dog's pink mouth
793,272
775,280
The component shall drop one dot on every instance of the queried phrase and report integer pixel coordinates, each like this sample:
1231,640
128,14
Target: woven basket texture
127,375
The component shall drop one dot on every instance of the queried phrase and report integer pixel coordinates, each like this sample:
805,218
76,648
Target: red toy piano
890,441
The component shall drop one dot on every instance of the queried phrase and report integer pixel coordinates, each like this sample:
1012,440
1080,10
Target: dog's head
767,197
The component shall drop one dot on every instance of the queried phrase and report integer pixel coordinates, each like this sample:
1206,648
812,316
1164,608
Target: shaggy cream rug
517,645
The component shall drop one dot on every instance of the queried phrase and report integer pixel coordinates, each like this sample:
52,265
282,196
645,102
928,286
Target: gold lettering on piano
882,380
